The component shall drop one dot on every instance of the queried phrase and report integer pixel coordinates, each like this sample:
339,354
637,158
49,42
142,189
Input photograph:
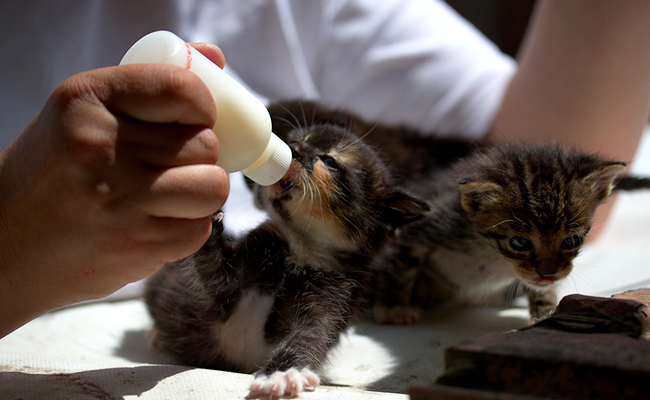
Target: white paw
399,315
287,384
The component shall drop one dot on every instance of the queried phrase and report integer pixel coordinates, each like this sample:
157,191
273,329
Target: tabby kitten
502,215
276,300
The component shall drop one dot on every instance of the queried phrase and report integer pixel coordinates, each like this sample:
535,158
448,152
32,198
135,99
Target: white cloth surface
99,351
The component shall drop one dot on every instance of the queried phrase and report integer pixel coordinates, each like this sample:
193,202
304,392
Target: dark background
503,21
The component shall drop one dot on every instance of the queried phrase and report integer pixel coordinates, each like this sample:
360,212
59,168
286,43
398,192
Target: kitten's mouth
287,182
543,281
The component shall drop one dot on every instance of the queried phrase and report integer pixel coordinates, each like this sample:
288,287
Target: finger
166,239
167,145
212,52
148,244
181,237
190,191
157,93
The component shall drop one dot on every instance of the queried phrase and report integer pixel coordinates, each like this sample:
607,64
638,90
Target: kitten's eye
520,244
330,162
572,242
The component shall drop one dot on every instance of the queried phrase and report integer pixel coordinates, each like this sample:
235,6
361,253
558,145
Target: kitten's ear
476,195
402,208
601,181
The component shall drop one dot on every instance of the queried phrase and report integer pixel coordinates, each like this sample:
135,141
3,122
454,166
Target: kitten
503,215
276,300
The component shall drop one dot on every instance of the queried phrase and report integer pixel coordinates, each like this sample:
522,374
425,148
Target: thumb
212,52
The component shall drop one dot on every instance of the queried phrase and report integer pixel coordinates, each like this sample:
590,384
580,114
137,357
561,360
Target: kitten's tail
632,183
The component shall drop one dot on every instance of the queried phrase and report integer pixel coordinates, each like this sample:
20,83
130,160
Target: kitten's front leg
394,291
315,310
541,303
213,262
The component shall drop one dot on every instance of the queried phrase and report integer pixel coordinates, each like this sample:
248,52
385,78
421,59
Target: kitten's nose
302,155
547,267
546,271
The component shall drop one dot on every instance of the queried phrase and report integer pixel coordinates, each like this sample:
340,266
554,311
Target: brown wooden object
589,348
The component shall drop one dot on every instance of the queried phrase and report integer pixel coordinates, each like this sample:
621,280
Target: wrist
17,296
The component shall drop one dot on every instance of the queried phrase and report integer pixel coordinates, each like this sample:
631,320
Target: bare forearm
584,77
583,80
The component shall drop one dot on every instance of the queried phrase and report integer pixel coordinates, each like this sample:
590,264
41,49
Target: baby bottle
243,124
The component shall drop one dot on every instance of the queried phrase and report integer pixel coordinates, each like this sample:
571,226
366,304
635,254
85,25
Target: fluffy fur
503,216
276,300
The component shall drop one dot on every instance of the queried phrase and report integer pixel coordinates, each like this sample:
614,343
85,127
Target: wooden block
585,314
643,297
440,392
590,348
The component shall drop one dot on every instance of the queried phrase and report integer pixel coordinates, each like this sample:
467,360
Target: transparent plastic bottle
243,123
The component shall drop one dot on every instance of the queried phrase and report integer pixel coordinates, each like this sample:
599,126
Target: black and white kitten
276,300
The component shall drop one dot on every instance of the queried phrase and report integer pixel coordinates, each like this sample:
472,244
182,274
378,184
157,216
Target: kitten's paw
217,224
218,217
286,384
540,312
399,315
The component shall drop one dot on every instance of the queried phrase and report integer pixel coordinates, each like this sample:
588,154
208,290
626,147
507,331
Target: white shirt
412,62
406,61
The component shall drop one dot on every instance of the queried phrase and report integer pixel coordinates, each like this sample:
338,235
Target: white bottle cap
272,165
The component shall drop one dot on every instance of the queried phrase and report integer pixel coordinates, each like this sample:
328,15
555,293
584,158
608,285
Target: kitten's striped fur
276,300
502,215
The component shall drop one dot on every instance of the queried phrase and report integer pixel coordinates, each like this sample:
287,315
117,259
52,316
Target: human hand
115,176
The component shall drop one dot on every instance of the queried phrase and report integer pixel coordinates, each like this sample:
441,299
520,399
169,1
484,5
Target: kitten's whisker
518,219
359,139
315,192
308,187
292,124
514,291
296,122
313,114
502,222
578,216
317,186
302,197
304,115
584,271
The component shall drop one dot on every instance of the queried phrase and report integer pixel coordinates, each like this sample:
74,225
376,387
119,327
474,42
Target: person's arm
115,176
583,79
